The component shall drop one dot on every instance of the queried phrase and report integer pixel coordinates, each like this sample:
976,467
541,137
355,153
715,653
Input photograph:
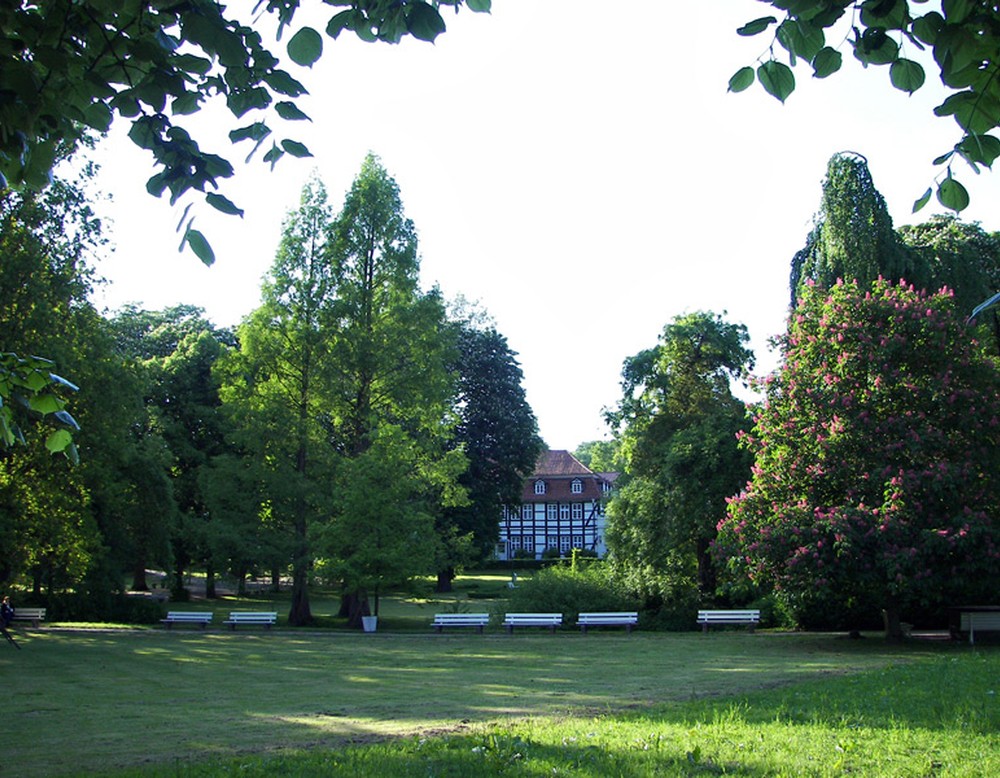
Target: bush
562,589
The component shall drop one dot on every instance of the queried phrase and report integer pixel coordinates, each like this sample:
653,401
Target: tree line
352,427
866,477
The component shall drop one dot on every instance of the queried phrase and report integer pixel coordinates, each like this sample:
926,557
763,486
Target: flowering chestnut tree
876,481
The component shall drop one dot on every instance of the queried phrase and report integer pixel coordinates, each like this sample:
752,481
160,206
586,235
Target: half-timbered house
562,508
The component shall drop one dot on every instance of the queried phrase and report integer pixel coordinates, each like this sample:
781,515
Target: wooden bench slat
550,620
749,618
202,618
34,615
627,619
265,619
477,620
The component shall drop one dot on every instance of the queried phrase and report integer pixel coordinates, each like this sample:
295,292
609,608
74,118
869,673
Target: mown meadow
402,702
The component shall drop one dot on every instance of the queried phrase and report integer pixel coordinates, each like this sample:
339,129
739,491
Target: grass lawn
170,703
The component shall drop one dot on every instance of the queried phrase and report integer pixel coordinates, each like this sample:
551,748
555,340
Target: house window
578,541
564,544
515,543
552,511
552,541
528,543
576,487
605,487
527,512
564,511
539,487
578,511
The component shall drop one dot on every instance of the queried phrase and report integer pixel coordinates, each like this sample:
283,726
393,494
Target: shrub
562,589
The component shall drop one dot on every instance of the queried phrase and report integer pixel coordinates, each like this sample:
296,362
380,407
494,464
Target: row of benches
265,619
627,619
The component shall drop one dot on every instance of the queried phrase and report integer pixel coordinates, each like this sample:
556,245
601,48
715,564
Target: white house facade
562,508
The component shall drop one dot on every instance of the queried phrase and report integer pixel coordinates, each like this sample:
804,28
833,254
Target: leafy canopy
70,68
963,36
875,483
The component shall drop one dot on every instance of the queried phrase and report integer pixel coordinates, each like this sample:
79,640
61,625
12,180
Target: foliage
875,482
853,238
963,257
601,456
566,589
962,35
497,431
677,423
68,69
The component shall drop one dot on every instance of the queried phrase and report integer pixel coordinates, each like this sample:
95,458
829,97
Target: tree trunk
707,580
893,627
210,593
139,577
276,579
354,605
445,577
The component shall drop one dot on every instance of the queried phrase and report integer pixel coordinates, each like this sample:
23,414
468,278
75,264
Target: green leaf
826,62
58,441
45,403
922,200
926,27
982,149
199,246
186,104
757,26
224,204
145,133
305,47
295,148
424,22
906,75
952,195
289,111
256,131
479,6
801,38
273,155
777,79
741,79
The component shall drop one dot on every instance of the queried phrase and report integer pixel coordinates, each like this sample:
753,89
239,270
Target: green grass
159,703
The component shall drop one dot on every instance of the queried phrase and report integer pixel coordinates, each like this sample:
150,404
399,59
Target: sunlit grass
155,697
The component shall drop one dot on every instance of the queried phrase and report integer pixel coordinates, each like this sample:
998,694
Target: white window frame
576,487
539,487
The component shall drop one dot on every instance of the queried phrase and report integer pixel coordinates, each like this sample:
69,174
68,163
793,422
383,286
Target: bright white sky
576,166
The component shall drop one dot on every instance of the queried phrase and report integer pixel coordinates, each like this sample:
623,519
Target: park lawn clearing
78,703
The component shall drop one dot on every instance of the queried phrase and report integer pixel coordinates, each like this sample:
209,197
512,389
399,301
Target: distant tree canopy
67,69
963,35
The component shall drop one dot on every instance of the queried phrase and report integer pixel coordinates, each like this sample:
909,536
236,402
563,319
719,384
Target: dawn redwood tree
876,478
390,355
276,385
677,423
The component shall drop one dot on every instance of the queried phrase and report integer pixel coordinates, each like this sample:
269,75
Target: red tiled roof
556,463
559,469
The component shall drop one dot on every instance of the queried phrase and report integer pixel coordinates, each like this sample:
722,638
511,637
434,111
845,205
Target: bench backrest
35,614
609,617
461,618
253,616
528,618
741,616
189,615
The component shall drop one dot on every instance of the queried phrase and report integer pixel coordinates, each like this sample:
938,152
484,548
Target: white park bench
627,619
477,620
748,617
983,621
34,615
550,620
265,619
202,618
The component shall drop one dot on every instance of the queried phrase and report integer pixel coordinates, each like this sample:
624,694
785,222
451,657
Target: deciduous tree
677,422
877,451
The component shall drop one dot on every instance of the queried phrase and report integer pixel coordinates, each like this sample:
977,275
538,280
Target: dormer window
539,487
576,487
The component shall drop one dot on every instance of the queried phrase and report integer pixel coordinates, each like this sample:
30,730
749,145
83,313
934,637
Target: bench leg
628,629
583,629
509,628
